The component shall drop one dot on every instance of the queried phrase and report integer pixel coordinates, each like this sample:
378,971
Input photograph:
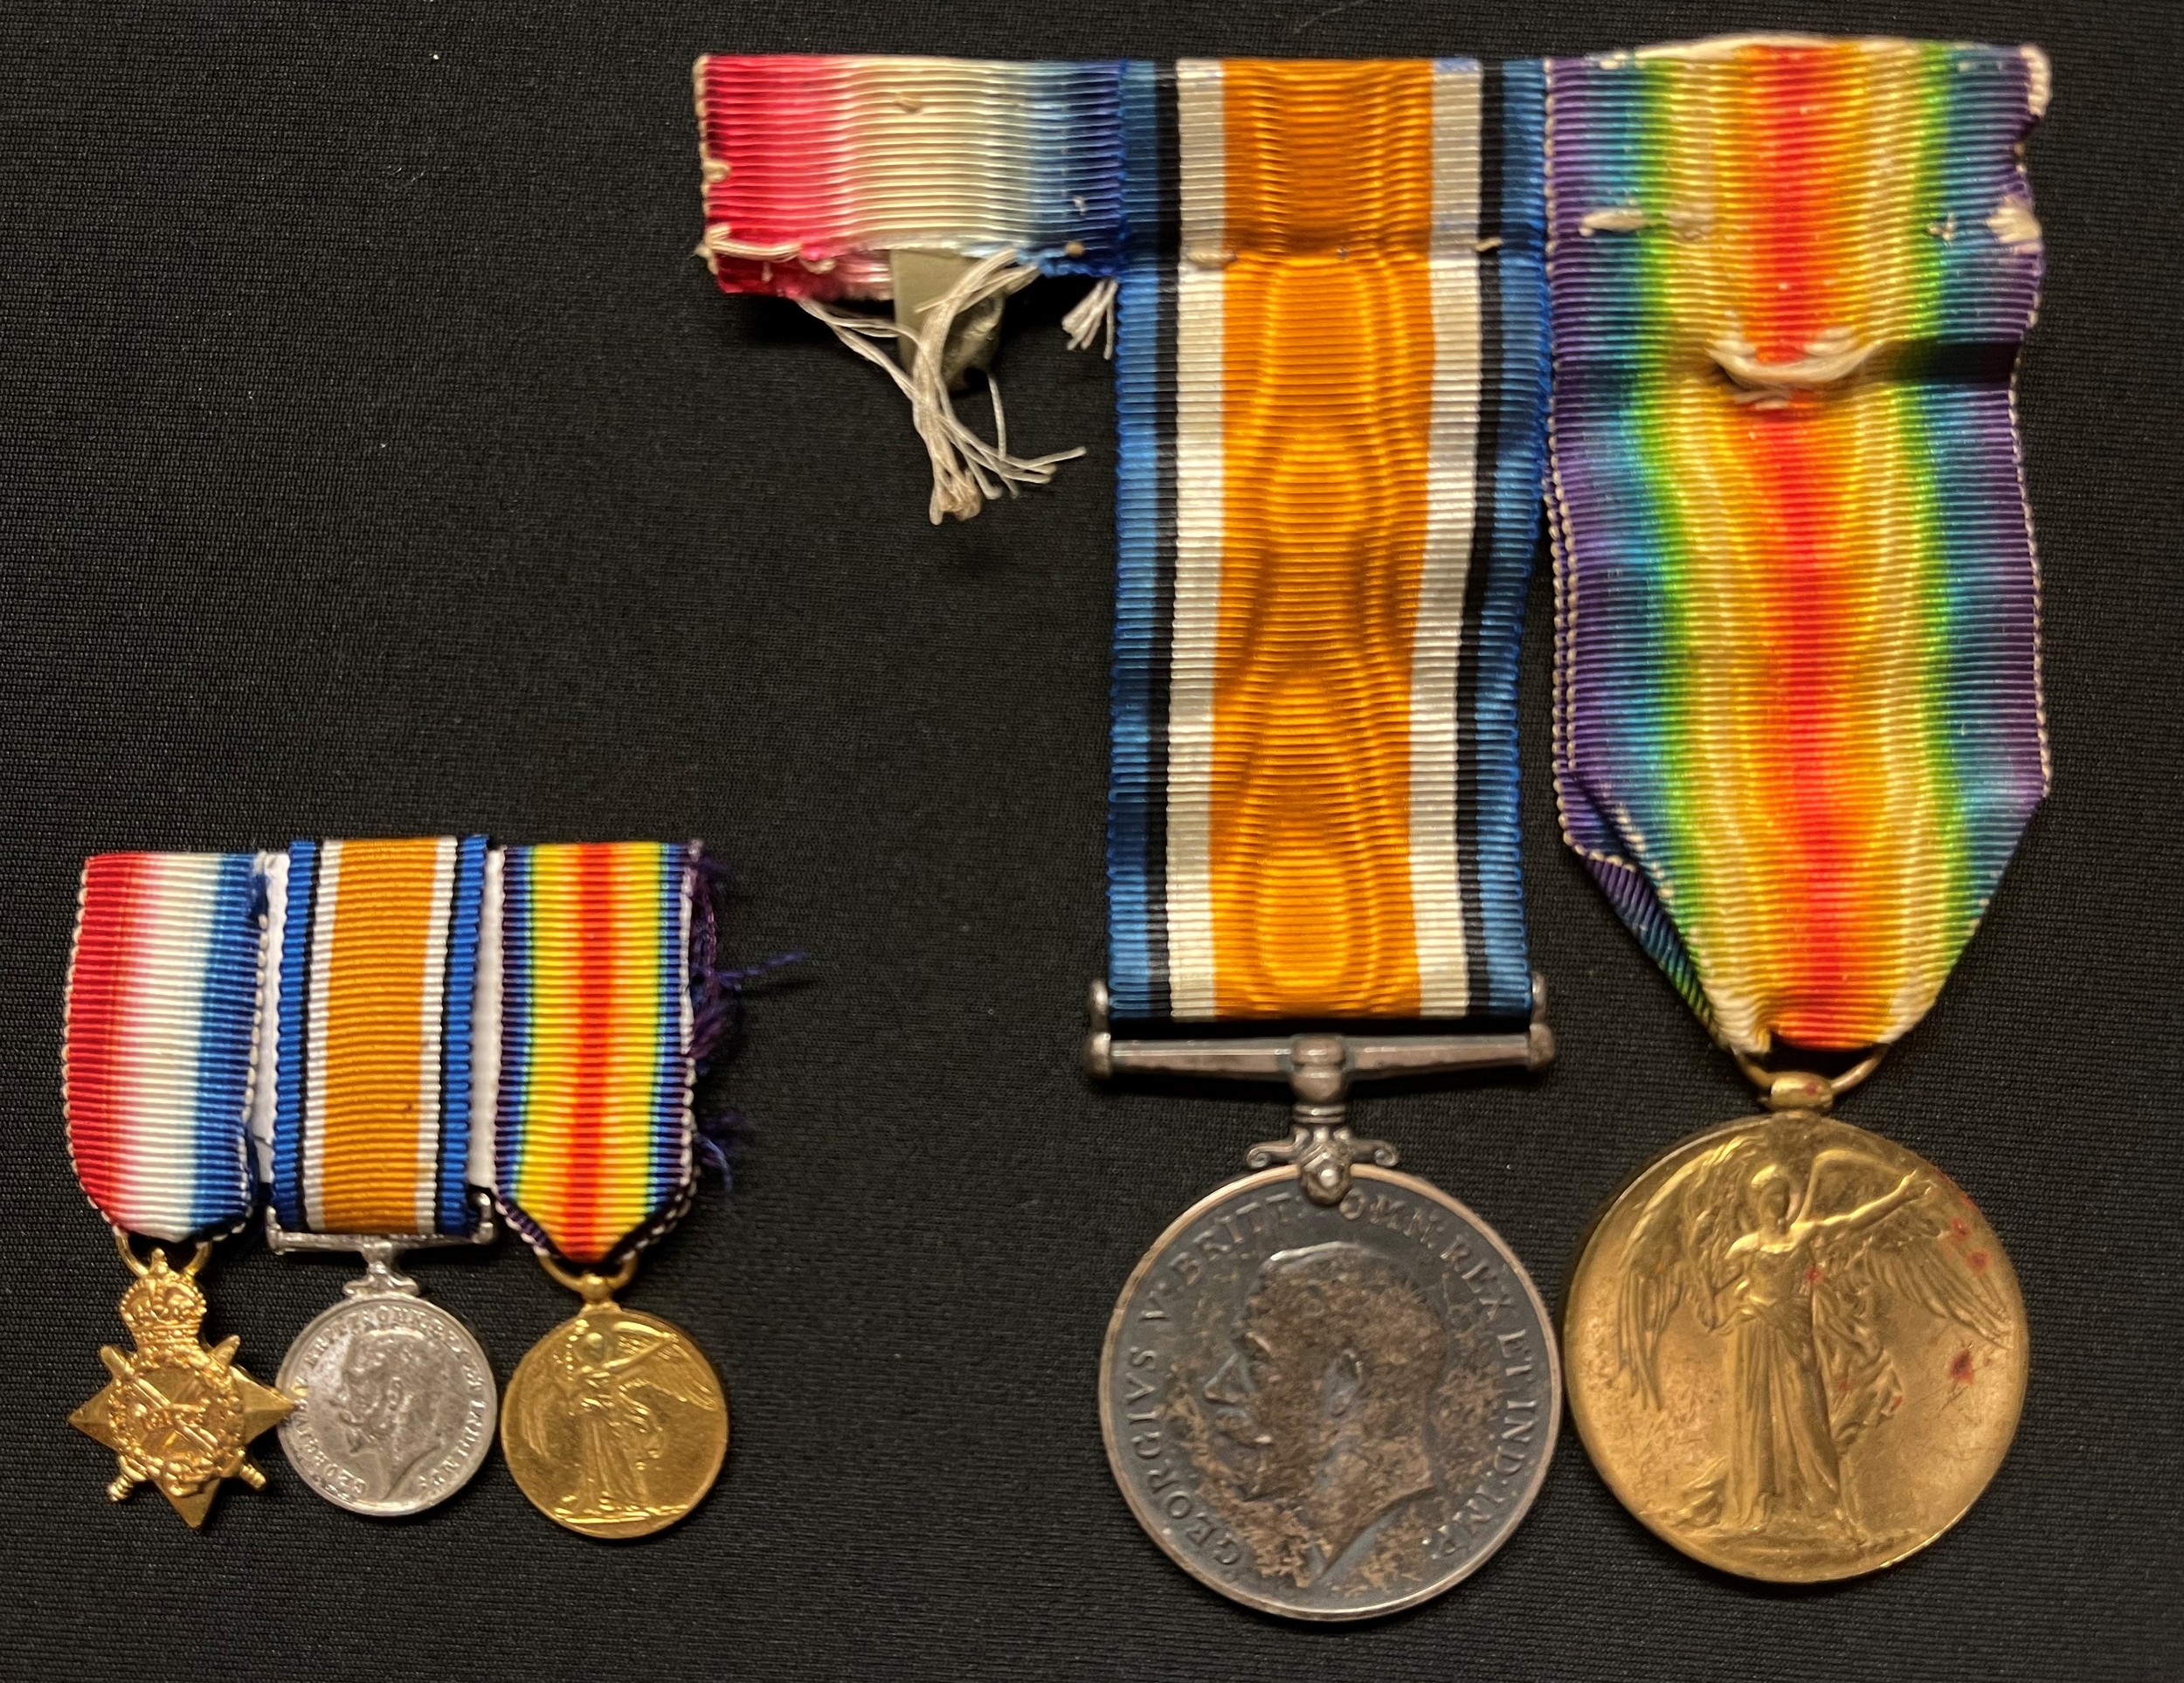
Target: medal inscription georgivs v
1329,1411
396,1403
1799,1347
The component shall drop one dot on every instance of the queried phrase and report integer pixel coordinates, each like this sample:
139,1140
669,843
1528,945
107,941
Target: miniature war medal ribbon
1329,1389
364,1119
156,1072
616,1424
1798,733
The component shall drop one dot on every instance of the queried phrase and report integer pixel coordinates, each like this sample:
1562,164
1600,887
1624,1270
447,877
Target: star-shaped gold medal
176,1413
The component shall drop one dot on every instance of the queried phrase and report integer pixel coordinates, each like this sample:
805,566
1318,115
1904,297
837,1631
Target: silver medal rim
1150,1522
286,1383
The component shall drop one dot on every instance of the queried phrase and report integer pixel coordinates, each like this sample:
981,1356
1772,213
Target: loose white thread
1093,318
968,472
719,241
2013,223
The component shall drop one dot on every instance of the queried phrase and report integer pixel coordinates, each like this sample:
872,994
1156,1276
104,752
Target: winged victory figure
612,1374
1790,1268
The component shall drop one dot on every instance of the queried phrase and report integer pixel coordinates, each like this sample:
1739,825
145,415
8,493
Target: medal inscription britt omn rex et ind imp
1330,1411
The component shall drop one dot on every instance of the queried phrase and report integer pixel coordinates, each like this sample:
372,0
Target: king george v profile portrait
400,1399
1324,1409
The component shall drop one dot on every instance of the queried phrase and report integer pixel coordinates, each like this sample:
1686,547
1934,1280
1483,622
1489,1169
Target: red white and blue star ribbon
162,1020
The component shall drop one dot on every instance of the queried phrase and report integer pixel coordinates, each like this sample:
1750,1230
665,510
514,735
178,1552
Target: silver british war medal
371,1020
1329,1389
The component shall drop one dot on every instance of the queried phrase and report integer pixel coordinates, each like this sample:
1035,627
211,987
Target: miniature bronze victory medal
162,1001
1329,1390
1798,733
615,1425
364,1110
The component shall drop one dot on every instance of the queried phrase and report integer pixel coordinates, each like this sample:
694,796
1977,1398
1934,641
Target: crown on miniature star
163,1305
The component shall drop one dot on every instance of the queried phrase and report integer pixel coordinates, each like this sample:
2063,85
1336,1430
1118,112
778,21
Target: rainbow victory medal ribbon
615,1424
598,1045
157,1071
1798,726
367,1132
1332,373
1798,733
939,185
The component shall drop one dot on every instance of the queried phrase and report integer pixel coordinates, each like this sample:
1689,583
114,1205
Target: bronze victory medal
615,1423
1330,1411
1795,1349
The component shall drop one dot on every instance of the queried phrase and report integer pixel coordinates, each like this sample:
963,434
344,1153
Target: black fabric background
374,458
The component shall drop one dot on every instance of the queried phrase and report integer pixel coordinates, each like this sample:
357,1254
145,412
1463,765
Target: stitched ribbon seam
1799,707
374,1031
1332,370
161,1014
596,1133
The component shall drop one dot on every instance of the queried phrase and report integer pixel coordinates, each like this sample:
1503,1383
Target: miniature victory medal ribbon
365,1118
1332,362
941,185
616,1424
157,1070
1799,733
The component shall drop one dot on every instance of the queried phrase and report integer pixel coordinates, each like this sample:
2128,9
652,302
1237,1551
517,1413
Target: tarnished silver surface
395,1401
1330,1411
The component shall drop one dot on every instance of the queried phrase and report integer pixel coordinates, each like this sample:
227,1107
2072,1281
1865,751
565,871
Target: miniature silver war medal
365,1112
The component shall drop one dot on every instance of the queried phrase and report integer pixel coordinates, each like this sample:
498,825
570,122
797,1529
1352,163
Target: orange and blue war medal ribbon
370,1112
615,1423
1331,369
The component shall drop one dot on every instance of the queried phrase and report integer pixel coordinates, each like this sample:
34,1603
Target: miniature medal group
391,1040
1752,321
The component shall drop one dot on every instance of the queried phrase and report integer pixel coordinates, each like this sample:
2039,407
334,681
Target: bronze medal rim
1149,1523
522,1466
1588,1428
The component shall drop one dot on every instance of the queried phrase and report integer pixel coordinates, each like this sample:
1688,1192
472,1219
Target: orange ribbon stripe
373,1065
1327,400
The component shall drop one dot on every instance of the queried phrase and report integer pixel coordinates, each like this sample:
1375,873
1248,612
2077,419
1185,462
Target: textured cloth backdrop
375,459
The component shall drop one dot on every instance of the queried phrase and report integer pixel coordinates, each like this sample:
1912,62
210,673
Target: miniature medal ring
589,1284
124,1241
